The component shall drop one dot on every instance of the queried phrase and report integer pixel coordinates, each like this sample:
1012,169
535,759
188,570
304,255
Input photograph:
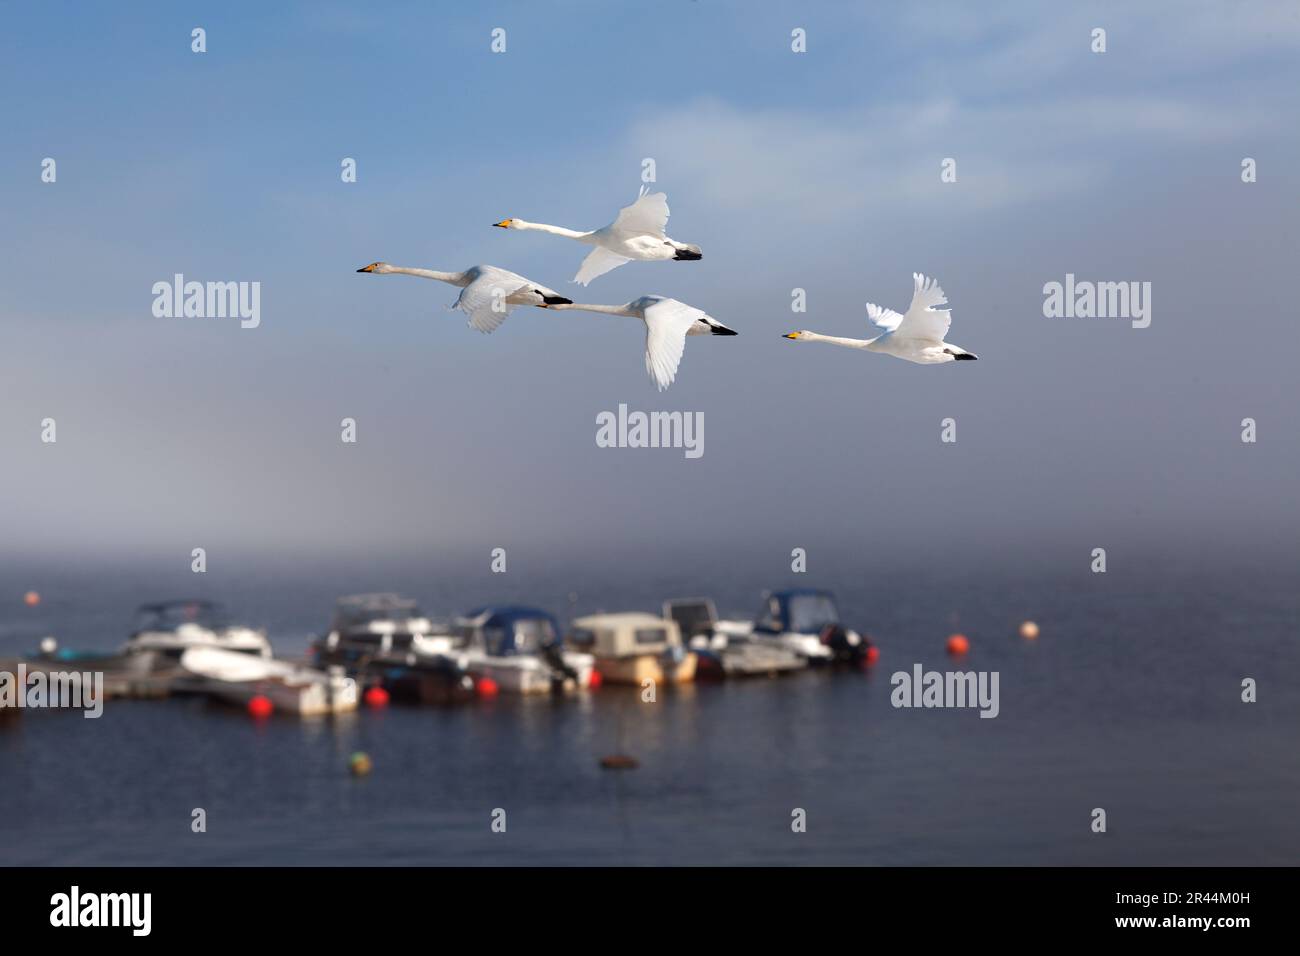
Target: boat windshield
693,617
358,612
809,613
168,617
532,634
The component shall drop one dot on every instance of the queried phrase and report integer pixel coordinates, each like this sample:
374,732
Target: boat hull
524,674
639,668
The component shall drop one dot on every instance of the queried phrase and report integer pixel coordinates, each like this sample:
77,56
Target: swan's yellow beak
369,268
790,335
503,224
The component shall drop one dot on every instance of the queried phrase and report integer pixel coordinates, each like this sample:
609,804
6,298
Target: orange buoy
31,599
957,645
596,679
260,706
486,687
1029,630
376,697
873,654
619,762
360,764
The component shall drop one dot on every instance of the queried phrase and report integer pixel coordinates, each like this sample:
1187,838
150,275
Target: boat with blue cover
521,649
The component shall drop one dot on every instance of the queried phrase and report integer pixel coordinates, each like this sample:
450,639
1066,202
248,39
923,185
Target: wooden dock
123,678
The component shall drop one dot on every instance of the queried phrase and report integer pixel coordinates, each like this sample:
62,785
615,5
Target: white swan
667,323
486,292
636,233
916,336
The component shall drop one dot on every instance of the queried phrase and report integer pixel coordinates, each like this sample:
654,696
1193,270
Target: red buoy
958,645
596,679
376,697
260,707
31,599
873,654
486,687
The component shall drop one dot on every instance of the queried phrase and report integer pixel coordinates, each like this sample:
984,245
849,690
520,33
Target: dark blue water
1129,701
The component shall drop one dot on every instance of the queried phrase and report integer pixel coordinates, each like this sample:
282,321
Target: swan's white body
917,336
667,323
486,292
636,233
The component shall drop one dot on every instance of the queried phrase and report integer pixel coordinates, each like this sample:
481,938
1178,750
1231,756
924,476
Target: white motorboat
291,688
384,628
170,628
725,648
521,650
807,621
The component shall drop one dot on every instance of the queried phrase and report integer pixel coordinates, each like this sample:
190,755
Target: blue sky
817,171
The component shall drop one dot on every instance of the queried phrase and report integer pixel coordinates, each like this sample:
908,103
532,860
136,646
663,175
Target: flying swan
486,292
667,323
916,336
637,232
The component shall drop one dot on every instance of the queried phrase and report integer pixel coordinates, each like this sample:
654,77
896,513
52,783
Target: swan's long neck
553,230
607,309
836,340
455,278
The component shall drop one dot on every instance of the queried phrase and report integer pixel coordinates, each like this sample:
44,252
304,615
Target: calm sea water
1129,701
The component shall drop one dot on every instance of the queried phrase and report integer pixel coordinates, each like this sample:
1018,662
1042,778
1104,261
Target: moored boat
291,688
169,628
725,648
521,650
385,640
633,647
807,621
384,627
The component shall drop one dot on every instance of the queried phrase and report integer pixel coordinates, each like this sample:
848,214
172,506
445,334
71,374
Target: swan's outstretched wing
647,216
667,322
923,322
598,262
886,319
484,299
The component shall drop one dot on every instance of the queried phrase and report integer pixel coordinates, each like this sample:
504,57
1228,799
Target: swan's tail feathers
556,300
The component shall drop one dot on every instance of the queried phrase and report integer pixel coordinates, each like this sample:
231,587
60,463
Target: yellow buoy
360,764
1029,630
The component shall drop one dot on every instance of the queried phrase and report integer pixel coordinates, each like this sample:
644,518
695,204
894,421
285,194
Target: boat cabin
170,615
798,611
504,631
625,635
